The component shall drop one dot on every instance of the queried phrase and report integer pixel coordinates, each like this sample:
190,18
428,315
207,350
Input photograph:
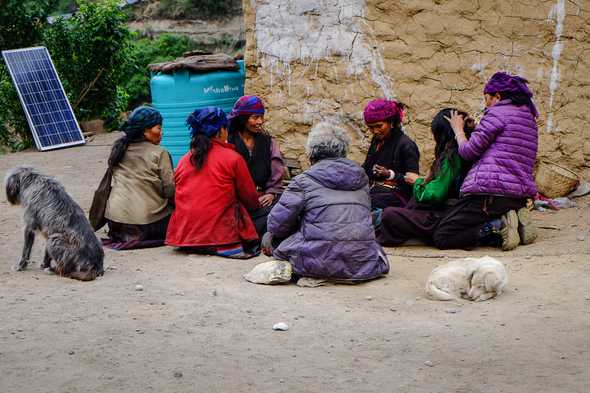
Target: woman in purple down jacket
323,217
503,148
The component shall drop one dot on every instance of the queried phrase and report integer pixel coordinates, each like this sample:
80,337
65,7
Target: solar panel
42,96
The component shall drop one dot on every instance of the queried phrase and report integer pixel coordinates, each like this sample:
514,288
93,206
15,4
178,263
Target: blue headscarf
141,118
207,121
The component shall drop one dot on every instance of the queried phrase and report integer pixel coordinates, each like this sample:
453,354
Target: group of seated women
225,197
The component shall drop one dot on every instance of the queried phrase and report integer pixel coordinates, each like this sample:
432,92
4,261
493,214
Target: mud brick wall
325,59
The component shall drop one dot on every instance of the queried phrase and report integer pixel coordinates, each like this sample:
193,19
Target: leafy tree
22,22
199,8
91,53
21,25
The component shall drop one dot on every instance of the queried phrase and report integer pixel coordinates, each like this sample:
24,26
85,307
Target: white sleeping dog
476,279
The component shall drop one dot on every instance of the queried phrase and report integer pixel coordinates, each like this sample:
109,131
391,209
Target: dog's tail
434,293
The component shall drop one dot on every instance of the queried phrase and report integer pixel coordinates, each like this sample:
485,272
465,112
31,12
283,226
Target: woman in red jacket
214,192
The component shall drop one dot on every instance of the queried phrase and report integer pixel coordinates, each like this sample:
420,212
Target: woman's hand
380,171
266,199
411,177
457,123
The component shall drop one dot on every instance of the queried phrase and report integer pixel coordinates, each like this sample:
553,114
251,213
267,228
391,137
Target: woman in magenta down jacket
503,149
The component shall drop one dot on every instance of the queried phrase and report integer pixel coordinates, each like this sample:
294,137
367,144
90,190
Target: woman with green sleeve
431,194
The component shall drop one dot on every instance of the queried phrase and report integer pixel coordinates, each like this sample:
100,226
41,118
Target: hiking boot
509,231
526,228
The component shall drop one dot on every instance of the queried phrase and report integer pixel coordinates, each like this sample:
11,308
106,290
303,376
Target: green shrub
91,53
166,47
199,8
21,25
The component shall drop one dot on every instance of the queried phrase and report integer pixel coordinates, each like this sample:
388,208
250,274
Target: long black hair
120,147
204,124
446,145
517,99
200,146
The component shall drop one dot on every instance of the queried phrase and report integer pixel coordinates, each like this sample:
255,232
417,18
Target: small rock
452,311
214,292
429,363
177,374
139,288
71,352
581,237
139,331
392,309
562,357
179,293
281,326
368,297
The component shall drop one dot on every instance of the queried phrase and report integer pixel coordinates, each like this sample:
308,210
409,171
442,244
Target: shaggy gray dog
71,242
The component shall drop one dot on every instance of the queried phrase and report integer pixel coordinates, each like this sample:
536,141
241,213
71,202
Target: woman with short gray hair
323,217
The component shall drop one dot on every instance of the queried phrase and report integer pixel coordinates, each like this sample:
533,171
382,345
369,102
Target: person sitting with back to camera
261,153
503,148
391,154
322,224
141,199
431,194
214,192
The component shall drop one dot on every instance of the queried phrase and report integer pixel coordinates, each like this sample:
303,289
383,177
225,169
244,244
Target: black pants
461,224
399,224
259,217
382,197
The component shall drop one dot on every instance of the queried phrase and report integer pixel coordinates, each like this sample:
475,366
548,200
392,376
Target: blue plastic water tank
176,95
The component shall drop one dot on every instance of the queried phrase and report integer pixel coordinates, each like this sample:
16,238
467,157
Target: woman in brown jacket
142,194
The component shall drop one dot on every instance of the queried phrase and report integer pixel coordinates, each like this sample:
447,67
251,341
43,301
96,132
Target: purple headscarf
502,82
207,121
381,110
247,105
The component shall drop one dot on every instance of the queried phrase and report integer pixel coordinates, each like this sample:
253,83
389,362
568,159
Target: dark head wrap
247,105
381,110
502,82
207,121
141,118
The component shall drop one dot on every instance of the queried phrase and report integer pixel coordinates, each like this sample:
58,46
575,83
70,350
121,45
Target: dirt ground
198,326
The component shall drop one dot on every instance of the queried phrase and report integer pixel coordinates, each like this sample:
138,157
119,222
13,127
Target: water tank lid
198,62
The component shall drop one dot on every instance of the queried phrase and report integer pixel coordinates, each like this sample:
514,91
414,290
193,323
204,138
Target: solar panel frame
40,112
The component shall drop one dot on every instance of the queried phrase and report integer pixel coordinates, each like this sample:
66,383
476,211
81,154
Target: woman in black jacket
391,155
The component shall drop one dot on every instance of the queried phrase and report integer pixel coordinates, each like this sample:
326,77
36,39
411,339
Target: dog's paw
19,267
48,270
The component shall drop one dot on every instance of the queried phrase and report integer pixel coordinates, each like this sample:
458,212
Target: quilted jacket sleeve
484,135
283,219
